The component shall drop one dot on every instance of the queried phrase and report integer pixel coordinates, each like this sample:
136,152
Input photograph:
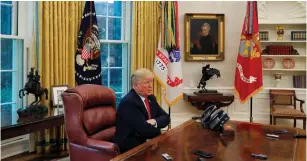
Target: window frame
126,46
19,33
15,7
17,73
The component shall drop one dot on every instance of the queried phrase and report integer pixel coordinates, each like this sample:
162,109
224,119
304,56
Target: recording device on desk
214,118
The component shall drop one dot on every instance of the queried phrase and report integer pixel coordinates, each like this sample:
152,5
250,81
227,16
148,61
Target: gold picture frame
202,30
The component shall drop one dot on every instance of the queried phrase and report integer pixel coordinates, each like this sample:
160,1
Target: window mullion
114,41
108,60
124,74
108,16
7,103
111,67
5,4
127,17
15,18
122,21
2,36
14,75
107,24
8,70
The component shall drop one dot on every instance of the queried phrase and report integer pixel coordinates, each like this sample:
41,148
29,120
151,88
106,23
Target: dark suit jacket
132,128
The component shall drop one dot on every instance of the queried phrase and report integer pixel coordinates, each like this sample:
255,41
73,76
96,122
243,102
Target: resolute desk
249,138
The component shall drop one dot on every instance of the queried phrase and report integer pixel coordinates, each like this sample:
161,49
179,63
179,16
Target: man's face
205,30
144,86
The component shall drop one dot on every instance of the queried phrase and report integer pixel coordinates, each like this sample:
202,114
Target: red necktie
148,108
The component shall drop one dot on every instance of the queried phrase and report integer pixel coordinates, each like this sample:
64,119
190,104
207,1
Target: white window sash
5,4
18,66
125,41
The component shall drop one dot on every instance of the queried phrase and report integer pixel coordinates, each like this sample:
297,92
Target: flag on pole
87,59
248,77
167,65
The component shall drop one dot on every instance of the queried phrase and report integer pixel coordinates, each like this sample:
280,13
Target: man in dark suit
139,117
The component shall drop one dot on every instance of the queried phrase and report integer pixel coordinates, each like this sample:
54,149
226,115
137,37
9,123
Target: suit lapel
151,104
140,103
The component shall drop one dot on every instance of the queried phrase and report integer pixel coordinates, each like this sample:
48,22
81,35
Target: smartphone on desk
167,157
203,154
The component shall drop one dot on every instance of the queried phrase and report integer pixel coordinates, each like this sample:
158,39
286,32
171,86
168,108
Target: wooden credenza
199,101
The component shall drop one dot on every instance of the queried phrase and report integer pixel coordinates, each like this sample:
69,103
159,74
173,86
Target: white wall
234,15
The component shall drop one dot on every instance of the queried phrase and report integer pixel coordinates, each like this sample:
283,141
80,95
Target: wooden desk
27,125
249,138
199,100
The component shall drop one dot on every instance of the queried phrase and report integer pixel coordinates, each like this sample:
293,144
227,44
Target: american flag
85,54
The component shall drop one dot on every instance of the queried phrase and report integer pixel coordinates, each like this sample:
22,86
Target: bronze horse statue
33,86
208,73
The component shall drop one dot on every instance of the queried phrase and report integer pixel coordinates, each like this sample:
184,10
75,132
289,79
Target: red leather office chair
90,122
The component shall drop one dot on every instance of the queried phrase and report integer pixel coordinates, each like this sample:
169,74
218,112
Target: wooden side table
201,101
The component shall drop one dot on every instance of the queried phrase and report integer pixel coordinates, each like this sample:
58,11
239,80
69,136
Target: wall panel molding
14,148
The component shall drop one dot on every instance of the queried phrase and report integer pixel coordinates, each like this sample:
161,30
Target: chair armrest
108,147
302,101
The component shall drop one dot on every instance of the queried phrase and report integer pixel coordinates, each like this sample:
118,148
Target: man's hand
153,122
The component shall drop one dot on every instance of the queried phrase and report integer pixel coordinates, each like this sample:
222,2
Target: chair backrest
89,112
282,97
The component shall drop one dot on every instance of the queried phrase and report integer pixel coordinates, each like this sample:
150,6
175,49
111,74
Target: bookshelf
284,56
283,41
269,20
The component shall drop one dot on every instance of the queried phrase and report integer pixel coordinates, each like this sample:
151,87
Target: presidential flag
87,59
167,65
248,77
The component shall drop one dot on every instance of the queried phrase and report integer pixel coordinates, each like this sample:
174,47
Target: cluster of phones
214,118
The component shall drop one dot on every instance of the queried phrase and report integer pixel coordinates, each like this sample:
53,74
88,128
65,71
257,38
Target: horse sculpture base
33,110
206,92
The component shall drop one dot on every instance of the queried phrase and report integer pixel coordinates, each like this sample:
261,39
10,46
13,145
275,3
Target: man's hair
139,74
207,25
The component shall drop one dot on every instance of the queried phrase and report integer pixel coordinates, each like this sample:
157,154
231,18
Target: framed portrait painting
56,94
204,37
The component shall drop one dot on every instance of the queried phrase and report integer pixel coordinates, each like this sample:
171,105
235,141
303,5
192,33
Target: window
11,69
8,18
113,19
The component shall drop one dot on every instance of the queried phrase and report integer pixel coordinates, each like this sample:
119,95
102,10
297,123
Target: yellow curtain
58,28
58,23
145,36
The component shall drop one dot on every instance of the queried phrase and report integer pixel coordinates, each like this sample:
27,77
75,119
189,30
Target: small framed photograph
56,94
